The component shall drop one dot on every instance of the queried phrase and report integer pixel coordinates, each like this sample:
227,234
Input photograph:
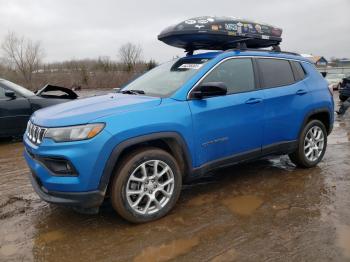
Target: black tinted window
298,70
275,72
237,74
19,90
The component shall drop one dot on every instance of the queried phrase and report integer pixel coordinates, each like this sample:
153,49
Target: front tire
146,185
312,145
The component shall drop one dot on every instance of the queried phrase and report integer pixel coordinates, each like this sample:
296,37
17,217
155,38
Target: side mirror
209,89
324,74
10,93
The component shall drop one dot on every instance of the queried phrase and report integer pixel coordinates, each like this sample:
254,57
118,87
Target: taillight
330,88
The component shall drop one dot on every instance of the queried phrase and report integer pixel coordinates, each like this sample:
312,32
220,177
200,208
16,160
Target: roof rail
275,49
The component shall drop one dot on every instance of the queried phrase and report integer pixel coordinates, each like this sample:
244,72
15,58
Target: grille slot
35,133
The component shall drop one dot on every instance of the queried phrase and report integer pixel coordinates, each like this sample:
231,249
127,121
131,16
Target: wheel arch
172,142
323,115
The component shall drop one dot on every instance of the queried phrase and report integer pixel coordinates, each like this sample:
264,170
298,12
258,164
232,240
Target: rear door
230,125
286,98
14,114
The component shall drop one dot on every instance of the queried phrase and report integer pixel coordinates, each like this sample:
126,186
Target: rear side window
275,72
237,74
299,71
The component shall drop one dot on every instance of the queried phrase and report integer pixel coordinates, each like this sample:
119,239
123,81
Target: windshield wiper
133,92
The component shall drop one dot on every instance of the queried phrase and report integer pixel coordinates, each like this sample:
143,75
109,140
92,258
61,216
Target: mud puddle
166,252
344,239
243,205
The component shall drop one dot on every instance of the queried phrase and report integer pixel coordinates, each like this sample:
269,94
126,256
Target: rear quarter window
299,71
275,72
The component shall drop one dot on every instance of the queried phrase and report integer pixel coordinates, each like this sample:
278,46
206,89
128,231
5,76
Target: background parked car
18,103
334,80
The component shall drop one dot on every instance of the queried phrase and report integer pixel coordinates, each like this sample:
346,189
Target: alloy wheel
314,143
150,187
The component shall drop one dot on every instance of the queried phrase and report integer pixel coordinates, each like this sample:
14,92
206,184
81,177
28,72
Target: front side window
237,74
275,72
19,90
167,78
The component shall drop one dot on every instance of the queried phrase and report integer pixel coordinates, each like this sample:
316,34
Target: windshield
165,79
16,88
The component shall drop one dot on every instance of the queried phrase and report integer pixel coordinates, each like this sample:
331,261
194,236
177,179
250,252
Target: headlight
74,133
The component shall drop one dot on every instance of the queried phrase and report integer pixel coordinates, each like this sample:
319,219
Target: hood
85,110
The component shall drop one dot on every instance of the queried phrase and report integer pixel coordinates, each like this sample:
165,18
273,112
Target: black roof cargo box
220,33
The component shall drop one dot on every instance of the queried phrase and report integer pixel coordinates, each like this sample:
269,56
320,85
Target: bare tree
151,64
130,54
104,63
23,55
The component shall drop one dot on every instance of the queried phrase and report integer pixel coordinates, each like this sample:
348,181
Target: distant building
343,63
319,61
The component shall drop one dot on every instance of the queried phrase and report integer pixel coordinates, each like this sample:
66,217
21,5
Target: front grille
35,133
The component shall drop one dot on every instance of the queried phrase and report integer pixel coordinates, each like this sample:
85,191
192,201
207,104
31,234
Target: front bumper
91,199
87,158
78,188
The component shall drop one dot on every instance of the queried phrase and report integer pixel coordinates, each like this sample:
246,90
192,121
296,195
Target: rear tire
312,145
139,192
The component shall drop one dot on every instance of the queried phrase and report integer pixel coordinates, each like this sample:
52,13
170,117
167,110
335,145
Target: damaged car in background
344,89
17,104
334,80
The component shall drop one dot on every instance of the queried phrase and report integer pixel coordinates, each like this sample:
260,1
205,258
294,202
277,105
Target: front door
230,125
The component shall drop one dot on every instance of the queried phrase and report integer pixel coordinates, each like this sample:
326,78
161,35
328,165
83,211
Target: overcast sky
87,29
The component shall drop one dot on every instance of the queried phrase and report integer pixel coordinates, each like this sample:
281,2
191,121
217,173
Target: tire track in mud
15,189
13,206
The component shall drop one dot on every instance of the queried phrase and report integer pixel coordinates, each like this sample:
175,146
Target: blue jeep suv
178,121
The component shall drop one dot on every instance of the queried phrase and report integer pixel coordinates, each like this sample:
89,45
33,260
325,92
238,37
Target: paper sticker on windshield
190,66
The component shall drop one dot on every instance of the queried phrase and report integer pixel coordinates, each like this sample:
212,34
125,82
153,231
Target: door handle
253,100
301,92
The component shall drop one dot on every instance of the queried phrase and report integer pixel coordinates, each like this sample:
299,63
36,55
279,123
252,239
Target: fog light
59,167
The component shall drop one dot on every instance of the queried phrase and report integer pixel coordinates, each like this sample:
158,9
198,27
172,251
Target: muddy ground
267,210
